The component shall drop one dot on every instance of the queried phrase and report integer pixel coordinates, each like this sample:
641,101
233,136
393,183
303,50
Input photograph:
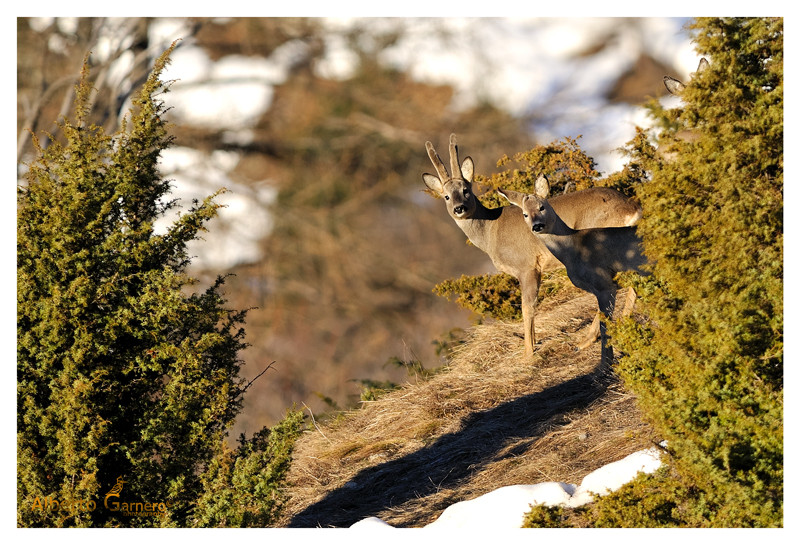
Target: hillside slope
489,420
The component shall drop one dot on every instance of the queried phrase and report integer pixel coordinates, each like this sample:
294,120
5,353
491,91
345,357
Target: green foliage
242,488
493,295
707,363
659,500
123,376
371,390
565,165
452,339
542,516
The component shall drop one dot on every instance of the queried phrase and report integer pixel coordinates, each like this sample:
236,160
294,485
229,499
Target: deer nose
458,209
536,227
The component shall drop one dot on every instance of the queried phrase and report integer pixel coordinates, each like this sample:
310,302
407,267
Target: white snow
525,65
528,66
371,523
235,234
505,508
228,94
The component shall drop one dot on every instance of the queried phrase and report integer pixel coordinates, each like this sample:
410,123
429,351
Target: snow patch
506,507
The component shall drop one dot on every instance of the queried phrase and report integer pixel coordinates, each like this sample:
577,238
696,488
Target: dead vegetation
491,419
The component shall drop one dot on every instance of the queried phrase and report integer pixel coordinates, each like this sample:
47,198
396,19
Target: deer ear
468,169
433,183
542,187
674,86
514,197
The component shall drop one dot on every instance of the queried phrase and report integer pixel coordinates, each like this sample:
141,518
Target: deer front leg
593,331
529,284
605,302
528,329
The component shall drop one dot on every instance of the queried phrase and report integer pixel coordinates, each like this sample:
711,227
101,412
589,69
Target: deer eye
447,197
466,192
541,208
524,215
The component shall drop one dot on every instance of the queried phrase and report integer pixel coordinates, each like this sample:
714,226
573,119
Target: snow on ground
506,507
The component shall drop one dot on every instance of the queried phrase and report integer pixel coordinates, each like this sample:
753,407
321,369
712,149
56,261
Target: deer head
536,211
676,86
456,190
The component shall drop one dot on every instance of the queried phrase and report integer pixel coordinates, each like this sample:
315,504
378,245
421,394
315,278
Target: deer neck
560,240
558,227
480,227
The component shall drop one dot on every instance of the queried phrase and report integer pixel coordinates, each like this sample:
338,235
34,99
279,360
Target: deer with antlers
503,235
592,257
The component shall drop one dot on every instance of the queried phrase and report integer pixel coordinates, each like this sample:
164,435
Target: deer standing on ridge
592,257
502,234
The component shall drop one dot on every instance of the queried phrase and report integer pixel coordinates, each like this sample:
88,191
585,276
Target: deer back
596,207
504,236
592,256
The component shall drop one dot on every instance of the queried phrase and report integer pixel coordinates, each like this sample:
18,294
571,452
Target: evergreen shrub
127,374
705,354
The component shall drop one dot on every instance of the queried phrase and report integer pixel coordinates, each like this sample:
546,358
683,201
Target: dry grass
492,419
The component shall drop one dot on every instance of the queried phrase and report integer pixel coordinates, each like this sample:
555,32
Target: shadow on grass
454,456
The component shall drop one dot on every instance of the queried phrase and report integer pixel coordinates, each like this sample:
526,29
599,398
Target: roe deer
502,234
592,257
676,87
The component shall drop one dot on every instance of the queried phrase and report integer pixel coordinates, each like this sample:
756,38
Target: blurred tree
50,53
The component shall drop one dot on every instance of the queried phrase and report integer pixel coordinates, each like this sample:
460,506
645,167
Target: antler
441,169
454,165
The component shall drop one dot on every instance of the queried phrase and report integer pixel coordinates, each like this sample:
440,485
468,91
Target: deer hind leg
592,333
629,303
